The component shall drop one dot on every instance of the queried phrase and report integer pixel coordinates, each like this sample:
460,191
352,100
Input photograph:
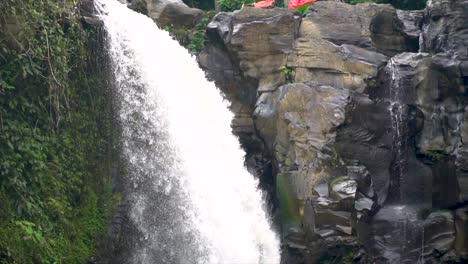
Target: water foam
176,132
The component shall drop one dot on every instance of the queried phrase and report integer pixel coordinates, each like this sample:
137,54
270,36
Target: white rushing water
194,201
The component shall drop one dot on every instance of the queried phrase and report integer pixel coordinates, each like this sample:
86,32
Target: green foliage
339,255
303,9
359,1
53,132
400,4
434,155
192,38
288,73
182,35
338,180
198,36
279,3
231,5
290,207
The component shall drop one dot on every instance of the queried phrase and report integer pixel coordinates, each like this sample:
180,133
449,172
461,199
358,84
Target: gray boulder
172,13
376,27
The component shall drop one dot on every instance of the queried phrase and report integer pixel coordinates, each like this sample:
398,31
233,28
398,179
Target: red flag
265,3
298,3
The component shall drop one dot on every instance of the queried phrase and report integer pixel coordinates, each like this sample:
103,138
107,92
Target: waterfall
402,213
396,110
191,197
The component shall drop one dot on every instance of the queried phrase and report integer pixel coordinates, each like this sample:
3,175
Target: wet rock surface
360,138
375,27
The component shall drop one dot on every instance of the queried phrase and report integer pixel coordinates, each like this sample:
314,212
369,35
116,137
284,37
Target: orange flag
298,3
265,3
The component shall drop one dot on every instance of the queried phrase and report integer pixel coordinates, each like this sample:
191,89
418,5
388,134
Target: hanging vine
55,196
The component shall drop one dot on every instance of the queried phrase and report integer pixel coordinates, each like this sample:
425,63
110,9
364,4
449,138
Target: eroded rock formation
354,117
168,13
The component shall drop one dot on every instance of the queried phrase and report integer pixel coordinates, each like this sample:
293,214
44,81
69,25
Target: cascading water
402,210
192,198
396,113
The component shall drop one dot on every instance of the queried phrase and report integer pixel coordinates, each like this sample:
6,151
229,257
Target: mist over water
192,199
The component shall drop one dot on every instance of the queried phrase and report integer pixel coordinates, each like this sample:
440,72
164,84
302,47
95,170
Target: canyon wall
354,118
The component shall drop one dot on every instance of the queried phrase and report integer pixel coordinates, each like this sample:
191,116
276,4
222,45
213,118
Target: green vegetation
339,255
338,180
290,208
303,9
197,42
231,5
400,4
192,38
354,2
288,73
55,191
55,194
182,35
434,155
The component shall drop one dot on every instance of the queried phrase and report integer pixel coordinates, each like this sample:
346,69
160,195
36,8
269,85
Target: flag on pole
265,3
293,4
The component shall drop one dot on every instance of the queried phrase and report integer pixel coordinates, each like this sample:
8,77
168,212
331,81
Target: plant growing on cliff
52,135
198,38
434,155
287,72
231,5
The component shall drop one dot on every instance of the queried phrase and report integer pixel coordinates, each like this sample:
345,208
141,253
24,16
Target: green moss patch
289,205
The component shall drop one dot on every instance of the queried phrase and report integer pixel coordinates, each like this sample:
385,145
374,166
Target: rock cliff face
354,118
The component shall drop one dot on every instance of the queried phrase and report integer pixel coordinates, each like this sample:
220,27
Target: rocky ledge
354,119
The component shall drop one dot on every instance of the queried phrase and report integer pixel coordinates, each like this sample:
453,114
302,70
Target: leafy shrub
231,5
198,37
287,72
192,38
53,132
